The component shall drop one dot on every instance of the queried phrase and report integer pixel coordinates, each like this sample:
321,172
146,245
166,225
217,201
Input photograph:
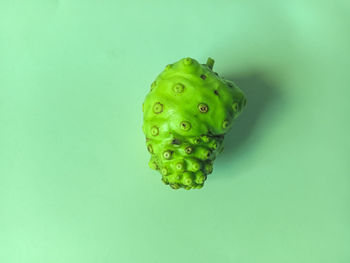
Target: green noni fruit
187,113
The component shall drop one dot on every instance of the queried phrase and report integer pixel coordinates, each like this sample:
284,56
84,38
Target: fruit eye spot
235,106
154,131
150,148
209,168
185,125
153,165
203,108
158,108
225,124
188,150
208,154
153,85
203,77
205,138
167,154
178,88
188,181
164,171
175,186
187,61
179,166
176,142
196,166
165,180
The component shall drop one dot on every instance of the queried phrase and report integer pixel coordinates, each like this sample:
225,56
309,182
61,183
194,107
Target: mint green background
74,181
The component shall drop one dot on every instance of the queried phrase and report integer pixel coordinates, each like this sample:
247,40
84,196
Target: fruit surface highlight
186,115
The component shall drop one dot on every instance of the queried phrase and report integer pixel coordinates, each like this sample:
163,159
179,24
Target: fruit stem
210,63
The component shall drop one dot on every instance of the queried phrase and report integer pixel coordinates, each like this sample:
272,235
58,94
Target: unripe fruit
187,113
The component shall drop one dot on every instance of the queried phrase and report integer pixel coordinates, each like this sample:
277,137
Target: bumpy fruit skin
187,113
